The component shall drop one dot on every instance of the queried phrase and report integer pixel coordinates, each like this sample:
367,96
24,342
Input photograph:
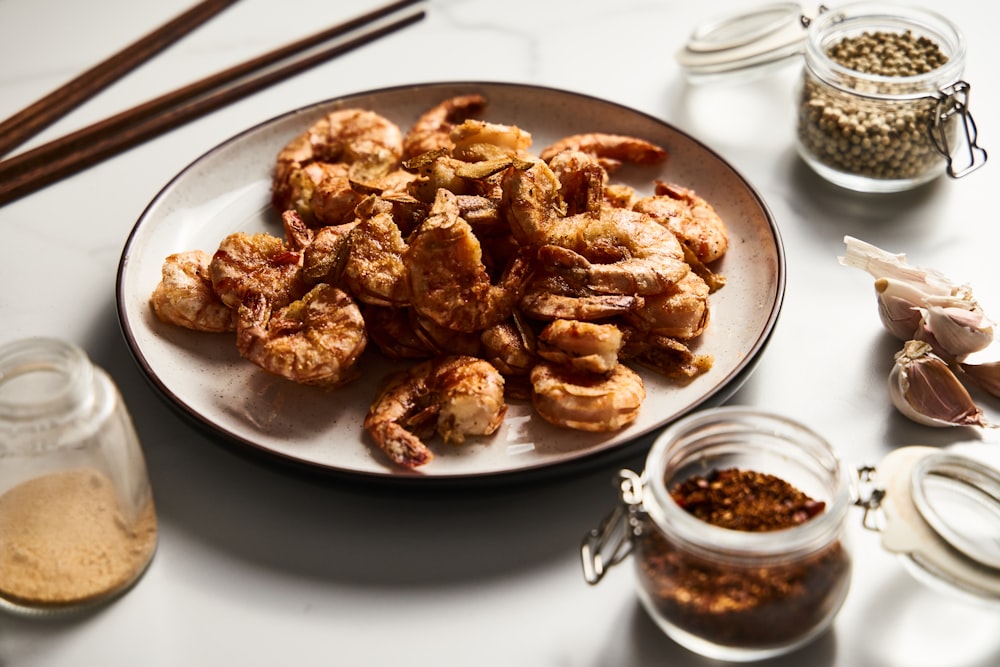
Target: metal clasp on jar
611,542
868,495
954,101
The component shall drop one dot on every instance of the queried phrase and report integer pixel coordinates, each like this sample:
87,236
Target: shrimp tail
401,446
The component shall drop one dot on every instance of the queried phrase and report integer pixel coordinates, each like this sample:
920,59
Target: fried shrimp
184,296
587,401
393,333
374,270
313,341
476,140
549,296
313,171
531,201
615,252
458,396
692,219
680,312
449,282
510,347
320,192
324,258
668,356
454,247
432,131
611,150
259,264
581,181
583,346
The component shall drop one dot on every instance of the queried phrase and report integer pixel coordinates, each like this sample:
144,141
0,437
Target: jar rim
21,358
794,541
858,16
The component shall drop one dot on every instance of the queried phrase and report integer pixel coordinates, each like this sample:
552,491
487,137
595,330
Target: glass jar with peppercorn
737,532
881,105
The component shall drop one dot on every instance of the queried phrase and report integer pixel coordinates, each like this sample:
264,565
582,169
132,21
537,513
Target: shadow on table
343,531
648,645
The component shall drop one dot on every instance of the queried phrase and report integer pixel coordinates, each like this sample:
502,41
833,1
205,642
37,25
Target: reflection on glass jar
881,102
77,522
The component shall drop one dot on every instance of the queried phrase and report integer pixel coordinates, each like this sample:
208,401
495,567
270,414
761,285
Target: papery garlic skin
915,302
954,326
923,388
983,367
883,264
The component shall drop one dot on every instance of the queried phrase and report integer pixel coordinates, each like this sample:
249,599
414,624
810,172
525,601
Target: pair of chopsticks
32,170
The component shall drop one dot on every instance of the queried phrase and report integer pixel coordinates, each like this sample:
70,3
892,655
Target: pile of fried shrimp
492,272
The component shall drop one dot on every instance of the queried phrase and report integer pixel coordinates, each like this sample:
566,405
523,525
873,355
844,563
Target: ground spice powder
749,604
64,540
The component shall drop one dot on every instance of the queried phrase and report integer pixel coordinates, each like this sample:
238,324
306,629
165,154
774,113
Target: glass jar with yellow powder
77,521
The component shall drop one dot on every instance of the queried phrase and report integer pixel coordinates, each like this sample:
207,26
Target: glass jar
77,522
892,127
723,592
877,123
938,510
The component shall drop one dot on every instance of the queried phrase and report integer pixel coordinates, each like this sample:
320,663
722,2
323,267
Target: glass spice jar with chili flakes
737,531
737,526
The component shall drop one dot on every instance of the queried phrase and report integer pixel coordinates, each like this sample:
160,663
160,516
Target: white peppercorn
881,102
888,138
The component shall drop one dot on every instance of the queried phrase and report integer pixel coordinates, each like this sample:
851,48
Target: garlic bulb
924,388
983,367
914,302
954,326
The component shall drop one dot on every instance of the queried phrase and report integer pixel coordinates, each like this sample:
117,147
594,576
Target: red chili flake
745,500
732,601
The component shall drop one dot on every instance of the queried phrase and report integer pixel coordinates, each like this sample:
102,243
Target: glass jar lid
941,510
753,41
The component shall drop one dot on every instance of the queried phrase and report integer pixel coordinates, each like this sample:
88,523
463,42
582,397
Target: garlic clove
924,388
954,326
899,306
882,264
983,367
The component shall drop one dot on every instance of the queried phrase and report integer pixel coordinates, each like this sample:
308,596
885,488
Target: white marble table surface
259,567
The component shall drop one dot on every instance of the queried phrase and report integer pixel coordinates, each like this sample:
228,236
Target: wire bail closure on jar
757,40
951,101
939,510
611,542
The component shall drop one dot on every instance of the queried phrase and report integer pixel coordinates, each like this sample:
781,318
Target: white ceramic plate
227,190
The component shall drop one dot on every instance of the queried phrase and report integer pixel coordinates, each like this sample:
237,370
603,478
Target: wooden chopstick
119,122
23,174
34,118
